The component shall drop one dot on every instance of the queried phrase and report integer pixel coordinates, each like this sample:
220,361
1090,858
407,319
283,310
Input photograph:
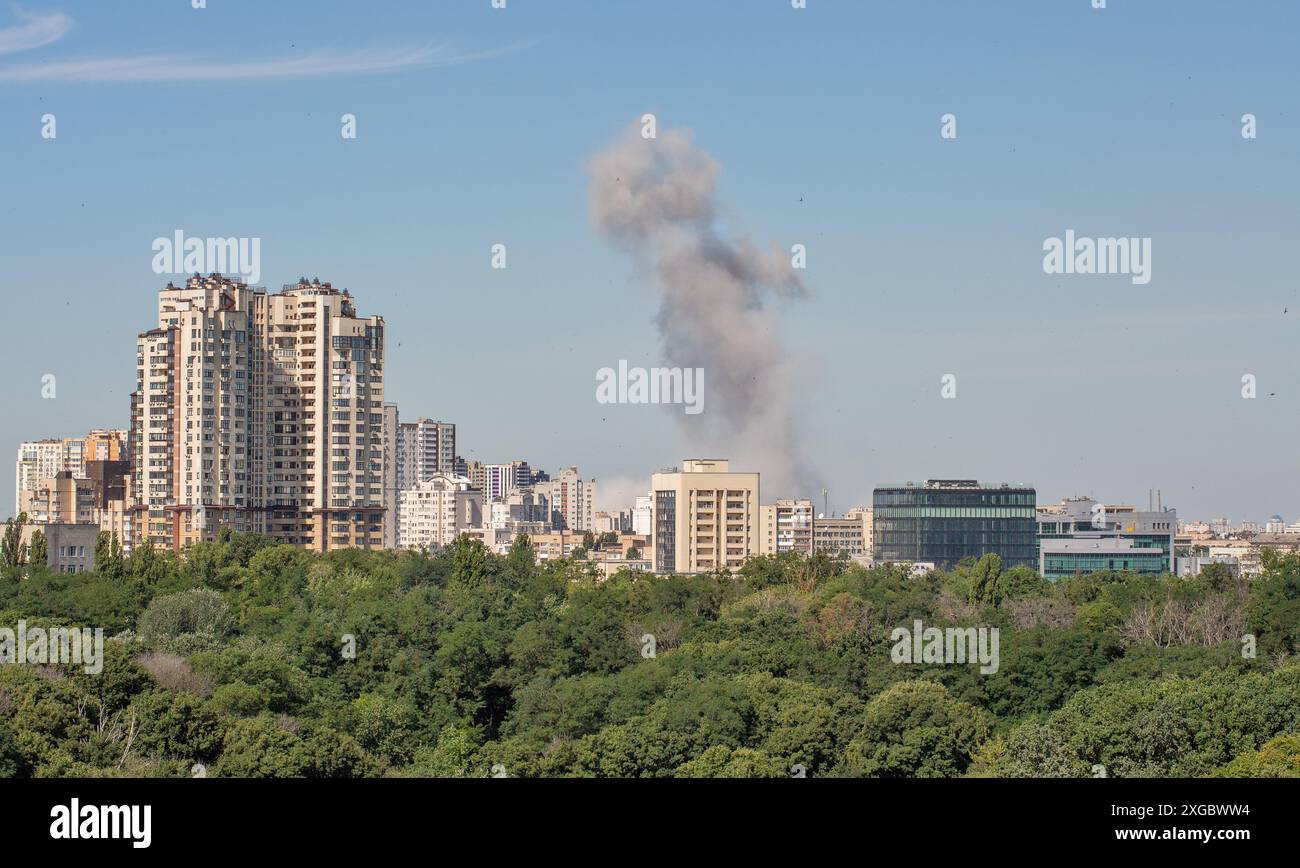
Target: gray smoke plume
656,199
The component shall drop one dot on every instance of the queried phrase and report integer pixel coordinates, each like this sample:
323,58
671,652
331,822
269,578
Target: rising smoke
656,199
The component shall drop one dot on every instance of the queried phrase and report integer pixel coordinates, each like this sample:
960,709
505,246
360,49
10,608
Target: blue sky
924,255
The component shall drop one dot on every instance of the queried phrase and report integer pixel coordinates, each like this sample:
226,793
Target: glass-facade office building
1107,537
946,520
1063,558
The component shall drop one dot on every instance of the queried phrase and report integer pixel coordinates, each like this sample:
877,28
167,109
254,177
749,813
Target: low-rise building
69,548
849,535
1190,567
609,563
1063,558
1082,518
786,526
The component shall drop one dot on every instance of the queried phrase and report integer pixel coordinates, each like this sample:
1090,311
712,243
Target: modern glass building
1063,558
1144,541
945,520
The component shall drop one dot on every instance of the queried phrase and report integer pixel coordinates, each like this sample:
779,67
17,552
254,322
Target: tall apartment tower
40,460
425,449
704,517
572,500
263,412
391,445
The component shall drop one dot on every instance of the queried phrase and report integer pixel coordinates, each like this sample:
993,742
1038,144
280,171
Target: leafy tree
1179,727
189,620
1277,758
108,555
260,747
266,660
916,729
39,552
1030,751
721,761
1273,612
982,580
11,550
178,726
452,756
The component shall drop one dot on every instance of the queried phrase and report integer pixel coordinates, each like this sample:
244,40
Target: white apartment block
787,526
498,481
642,512
433,513
38,460
425,448
262,412
522,506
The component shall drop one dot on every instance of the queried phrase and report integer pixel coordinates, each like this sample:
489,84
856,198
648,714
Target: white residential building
424,448
433,513
786,526
38,460
642,515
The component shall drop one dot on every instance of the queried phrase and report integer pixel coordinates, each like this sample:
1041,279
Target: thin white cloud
188,68
36,29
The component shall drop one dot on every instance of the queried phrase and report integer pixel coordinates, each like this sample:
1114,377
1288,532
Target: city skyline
1075,384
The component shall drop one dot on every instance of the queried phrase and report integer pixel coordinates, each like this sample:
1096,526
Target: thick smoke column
655,197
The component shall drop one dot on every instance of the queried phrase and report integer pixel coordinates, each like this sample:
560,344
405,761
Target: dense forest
250,659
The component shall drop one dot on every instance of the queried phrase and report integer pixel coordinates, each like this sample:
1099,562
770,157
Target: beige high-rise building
572,500
106,444
476,473
787,526
62,499
704,517
259,411
40,460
